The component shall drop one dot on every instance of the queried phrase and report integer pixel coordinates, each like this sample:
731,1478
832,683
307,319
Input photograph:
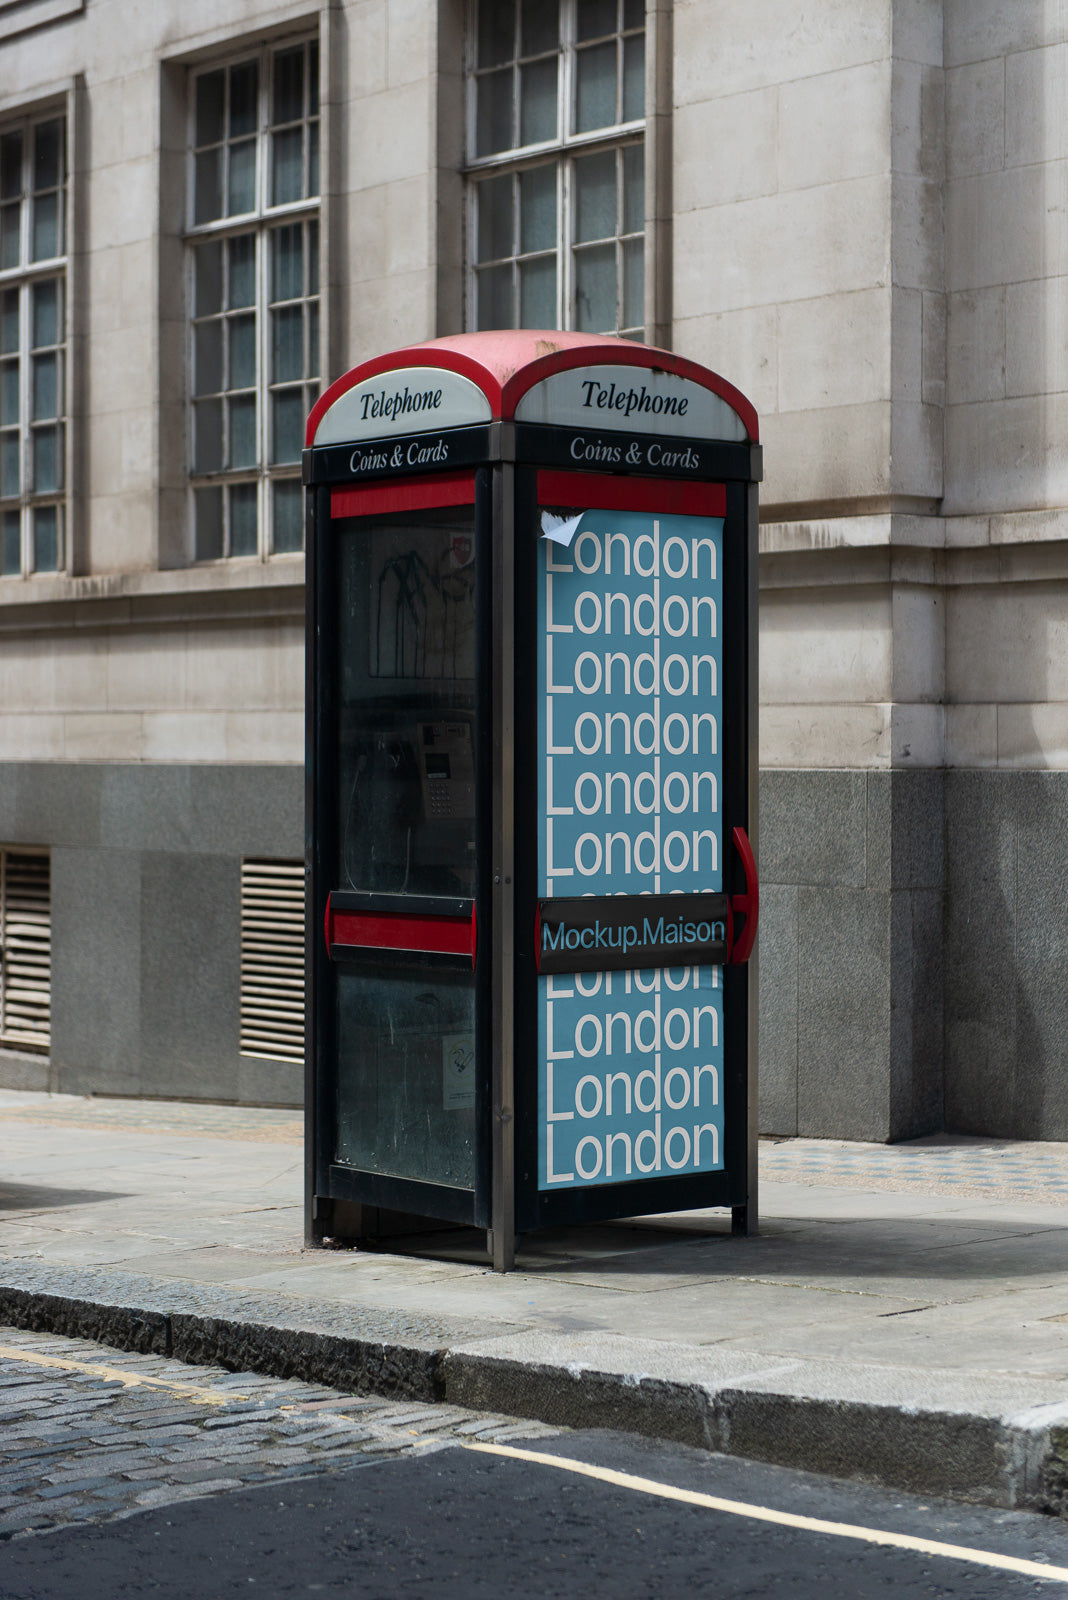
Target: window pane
47,241
243,86
496,31
207,278
595,197
208,536
287,263
287,163
633,189
537,209
494,291
10,166
208,185
634,13
313,158
242,264
595,289
287,426
287,344
495,228
312,367
313,257
207,436
209,111
9,234
287,510
537,101
46,313
10,548
9,464
313,80
494,131
537,292
46,541
242,431
241,333
48,155
633,78
595,97
241,195
539,27
47,460
595,18
9,321
243,520
288,86
634,283
207,358
9,393
45,387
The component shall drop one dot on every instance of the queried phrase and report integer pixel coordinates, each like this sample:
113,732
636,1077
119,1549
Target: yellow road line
123,1375
786,1519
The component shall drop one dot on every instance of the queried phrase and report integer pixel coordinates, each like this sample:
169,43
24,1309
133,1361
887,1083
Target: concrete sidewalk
903,1315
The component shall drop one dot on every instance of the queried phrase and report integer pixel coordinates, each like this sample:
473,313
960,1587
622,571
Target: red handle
402,930
748,904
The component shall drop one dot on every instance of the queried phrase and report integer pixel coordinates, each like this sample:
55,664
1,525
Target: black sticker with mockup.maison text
631,931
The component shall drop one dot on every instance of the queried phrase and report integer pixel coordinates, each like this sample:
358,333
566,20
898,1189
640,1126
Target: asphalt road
124,1476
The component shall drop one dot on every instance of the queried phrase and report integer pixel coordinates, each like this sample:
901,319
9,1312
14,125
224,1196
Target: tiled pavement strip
79,1445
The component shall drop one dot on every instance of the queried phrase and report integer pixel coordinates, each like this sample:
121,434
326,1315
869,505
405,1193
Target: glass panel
47,239
207,278
595,96
241,194
496,32
242,409
537,209
9,393
48,313
496,307
9,464
287,262
48,155
537,101
11,547
495,221
10,166
634,78
287,430
312,367
287,532
595,18
208,537
45,387
634,188
537,292
539,26
313,80
9,321
243,520
313,257
634,284
242,285
207,358
287,166
595,289
313,158
207,436
208,186
287,344
211,88
243,86
634,13
595,197
10,245
47,460
241,339
46,541
494,130
288,85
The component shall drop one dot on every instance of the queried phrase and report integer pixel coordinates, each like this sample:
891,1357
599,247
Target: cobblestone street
89,1433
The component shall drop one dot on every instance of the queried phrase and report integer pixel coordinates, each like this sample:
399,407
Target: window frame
263,220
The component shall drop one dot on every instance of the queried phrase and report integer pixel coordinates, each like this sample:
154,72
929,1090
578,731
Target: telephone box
531,677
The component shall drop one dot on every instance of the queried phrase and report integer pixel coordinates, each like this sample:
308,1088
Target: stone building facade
855,211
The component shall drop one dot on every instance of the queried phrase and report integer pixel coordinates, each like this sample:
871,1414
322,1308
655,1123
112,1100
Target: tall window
33,346
556,171
253,242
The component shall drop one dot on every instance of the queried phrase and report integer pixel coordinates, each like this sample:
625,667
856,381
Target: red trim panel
749,903
411,494
401,930
600,492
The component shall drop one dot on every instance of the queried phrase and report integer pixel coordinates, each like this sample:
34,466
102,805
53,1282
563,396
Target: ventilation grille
272,959
25,950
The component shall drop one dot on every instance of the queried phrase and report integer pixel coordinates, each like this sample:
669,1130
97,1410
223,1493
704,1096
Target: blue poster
629,775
